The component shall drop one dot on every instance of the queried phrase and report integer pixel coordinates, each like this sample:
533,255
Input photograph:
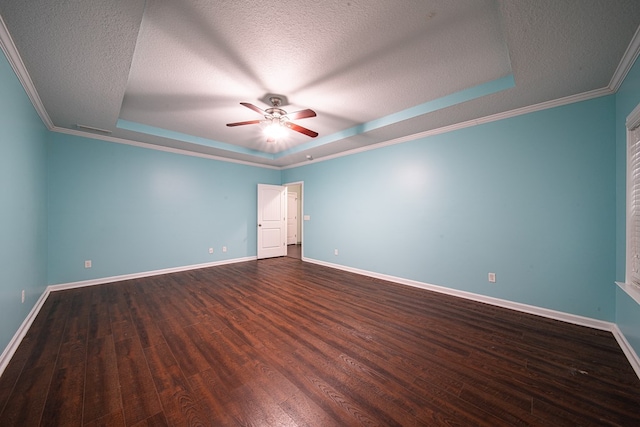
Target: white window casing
633,201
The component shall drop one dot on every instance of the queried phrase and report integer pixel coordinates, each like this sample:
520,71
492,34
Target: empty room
340,213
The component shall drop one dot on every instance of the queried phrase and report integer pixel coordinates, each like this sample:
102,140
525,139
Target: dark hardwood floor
283,342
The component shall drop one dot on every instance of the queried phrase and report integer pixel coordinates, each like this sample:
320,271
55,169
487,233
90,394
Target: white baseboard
629,352
11,348
13,345
123,277
632,356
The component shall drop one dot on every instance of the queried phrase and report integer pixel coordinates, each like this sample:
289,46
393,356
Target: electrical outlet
224,249
492,277
210,250
87,264
23,295
335,252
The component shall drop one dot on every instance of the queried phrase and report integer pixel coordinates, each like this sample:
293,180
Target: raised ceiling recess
171,73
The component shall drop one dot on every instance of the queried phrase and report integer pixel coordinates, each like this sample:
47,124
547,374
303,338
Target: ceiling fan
277,118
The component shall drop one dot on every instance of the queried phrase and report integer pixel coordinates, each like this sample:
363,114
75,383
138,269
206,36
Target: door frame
292,195
301,201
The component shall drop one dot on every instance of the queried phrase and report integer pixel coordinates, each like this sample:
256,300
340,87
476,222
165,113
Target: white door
292,218
272,221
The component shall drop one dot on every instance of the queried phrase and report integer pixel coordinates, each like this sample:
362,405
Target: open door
272,221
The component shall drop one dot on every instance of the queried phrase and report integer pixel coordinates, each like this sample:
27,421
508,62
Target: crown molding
628,59
157,147
487,119
12,54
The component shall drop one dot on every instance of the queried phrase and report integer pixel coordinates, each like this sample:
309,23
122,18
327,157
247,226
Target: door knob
259,225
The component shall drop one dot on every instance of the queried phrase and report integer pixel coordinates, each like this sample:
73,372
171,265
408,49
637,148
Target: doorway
294,244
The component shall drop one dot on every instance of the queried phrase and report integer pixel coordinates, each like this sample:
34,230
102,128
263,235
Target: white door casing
272,221
292,218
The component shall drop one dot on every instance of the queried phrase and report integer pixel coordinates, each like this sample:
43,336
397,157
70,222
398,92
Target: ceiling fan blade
254,108
302,114
250,122
300,129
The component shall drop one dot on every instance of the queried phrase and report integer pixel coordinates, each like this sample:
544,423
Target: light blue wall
131,210
23,209
627,310
531,198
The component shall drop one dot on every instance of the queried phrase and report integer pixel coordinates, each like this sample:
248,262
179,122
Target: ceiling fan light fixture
277,121
275,131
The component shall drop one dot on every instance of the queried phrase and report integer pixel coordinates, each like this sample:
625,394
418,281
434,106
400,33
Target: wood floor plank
77,325
102,390
158,420
64,405
119,314
254,406
180,405
115,419
214,397
146,329
99,322
26,403
184,346
139,396
305,412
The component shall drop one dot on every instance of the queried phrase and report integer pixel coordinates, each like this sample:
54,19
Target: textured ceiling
173,72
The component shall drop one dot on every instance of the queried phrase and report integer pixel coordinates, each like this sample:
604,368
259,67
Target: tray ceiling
172,73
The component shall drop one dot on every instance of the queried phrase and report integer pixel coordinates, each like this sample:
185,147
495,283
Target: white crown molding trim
113,279
12,54
585,96
628,59
628,351
13,345
602,325
158,147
